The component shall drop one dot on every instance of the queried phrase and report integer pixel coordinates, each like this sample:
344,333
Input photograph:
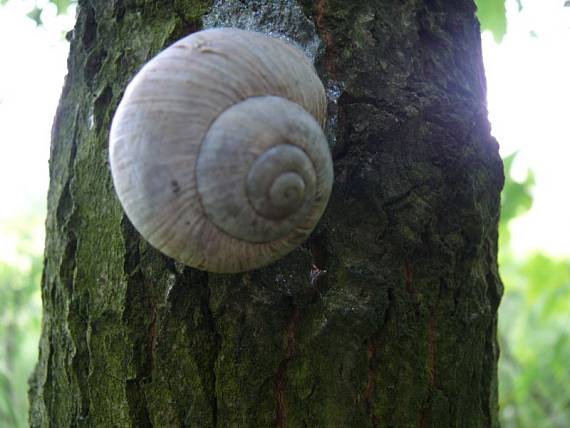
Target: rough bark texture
401,329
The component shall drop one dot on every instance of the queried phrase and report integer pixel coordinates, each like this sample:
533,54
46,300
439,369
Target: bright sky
31,76
528,76
32,68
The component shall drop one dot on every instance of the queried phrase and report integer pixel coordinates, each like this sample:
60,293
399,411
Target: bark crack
77,311
217,345
140,314
281,375
373,345
369,391
425,414
329,56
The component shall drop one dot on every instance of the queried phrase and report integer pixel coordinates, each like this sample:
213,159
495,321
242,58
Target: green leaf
62,5
35,15
493,17
516,196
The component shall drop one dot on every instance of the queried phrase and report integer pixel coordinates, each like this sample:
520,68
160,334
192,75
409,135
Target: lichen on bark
279,18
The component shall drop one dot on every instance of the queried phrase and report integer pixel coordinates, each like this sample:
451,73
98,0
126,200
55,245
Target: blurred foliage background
534,325
20,311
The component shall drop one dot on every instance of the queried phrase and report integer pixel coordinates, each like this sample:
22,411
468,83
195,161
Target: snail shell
217,150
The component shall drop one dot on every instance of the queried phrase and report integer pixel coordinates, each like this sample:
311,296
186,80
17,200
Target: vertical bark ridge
281,375
216,346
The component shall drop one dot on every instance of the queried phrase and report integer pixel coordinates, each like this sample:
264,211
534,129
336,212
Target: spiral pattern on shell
217,150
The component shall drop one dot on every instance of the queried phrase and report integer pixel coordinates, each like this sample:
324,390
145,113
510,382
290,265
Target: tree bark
386,317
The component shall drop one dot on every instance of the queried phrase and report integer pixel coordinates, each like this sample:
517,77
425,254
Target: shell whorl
217,150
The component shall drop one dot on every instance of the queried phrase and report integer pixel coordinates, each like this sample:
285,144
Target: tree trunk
386,317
